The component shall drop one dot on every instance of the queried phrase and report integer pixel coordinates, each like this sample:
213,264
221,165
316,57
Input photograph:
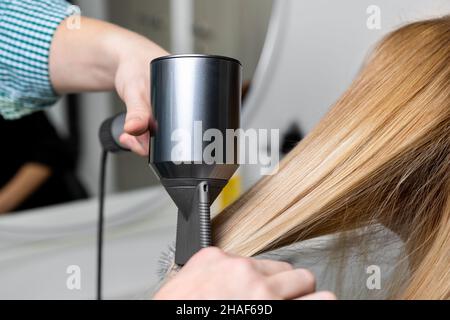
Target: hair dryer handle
110,132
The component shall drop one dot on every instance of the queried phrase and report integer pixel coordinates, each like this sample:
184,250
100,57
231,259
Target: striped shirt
26,32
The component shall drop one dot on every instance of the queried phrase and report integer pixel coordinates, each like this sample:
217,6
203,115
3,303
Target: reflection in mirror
38,167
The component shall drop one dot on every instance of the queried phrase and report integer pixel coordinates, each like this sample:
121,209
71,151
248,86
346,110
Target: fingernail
134,118
326,295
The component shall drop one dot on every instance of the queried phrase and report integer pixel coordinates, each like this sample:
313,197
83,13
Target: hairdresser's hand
132,83
213,274
101,56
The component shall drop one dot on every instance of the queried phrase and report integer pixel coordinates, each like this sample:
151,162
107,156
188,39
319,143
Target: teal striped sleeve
26,32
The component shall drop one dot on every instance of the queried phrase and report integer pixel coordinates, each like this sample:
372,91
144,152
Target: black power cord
109,134
101,206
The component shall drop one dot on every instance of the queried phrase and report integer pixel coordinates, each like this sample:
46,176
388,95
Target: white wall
316,52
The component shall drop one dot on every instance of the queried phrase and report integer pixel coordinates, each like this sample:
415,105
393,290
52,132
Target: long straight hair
380,155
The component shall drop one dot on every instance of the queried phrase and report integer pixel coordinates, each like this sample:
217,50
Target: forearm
53,58
88,58
27,180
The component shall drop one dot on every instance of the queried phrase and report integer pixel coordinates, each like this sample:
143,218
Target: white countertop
37,246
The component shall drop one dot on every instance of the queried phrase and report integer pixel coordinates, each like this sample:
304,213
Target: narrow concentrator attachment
193,198
194,226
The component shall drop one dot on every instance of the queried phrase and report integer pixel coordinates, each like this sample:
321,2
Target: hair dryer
190,94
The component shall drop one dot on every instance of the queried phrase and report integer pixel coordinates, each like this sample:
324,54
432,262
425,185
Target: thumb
139,115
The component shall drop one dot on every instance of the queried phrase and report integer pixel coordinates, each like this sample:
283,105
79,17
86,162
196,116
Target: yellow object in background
231,192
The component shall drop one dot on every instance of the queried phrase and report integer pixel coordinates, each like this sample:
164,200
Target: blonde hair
380,155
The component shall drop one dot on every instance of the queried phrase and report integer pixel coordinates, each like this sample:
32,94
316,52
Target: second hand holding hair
213,274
